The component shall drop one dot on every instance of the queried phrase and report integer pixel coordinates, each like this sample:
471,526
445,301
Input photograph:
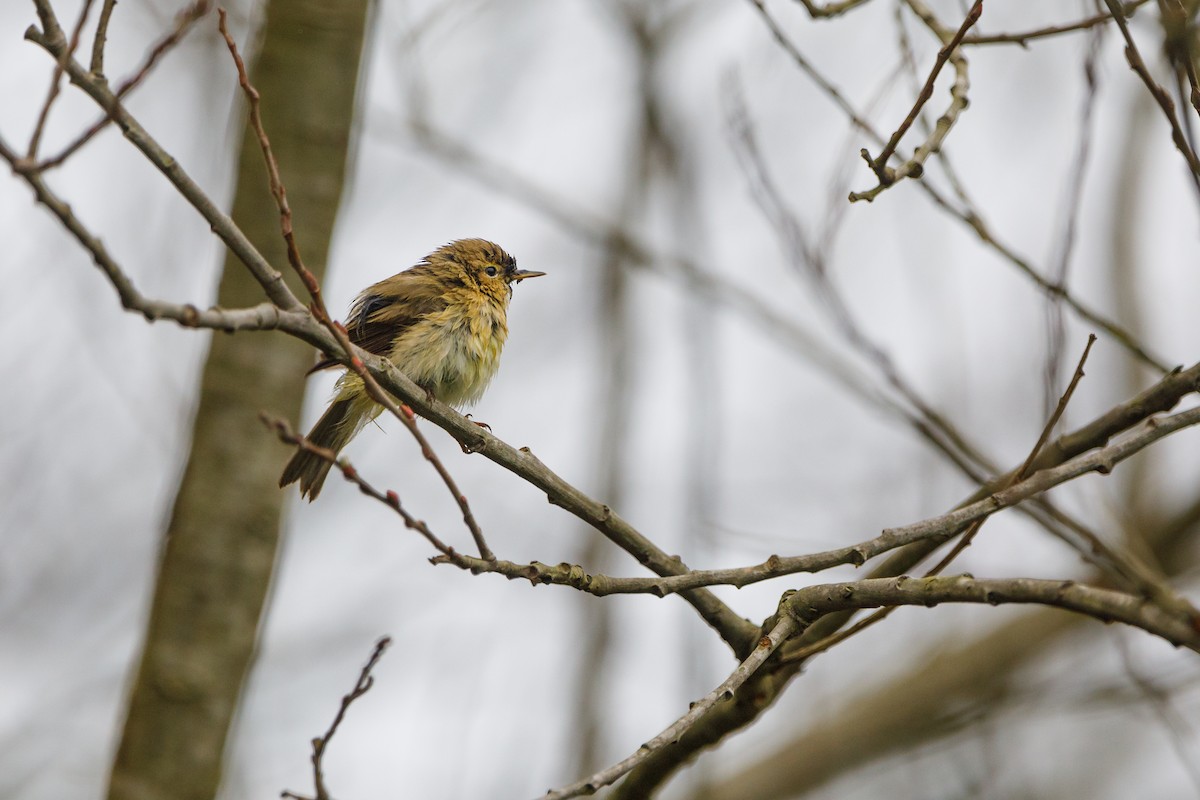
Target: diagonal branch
101,38
265,316
785,627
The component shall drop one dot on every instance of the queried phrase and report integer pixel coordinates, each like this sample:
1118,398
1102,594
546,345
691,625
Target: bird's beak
522,274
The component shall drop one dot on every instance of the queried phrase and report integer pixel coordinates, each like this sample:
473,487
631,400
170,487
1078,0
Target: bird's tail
333,431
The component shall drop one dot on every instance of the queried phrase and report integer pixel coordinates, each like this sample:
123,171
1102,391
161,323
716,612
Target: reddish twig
320,311
389,498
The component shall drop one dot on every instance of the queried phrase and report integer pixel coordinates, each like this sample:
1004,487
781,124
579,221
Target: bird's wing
387,309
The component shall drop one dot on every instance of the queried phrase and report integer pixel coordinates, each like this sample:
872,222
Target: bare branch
1025,37
1021,473
319,744
101,39
813,602
389,498
878,164
767,645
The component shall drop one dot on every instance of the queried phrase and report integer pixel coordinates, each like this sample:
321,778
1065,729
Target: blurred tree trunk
220,546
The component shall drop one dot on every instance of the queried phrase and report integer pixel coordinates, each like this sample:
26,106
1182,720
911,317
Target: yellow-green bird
442,322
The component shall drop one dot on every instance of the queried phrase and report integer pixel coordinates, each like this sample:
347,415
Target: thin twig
319,744
879,163
914,167
1023,472
1055,322
60,65
389,498
1023,38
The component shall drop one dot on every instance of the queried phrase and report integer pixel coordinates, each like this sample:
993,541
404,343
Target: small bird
442,322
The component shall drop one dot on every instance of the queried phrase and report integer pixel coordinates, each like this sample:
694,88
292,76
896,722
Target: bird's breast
455,352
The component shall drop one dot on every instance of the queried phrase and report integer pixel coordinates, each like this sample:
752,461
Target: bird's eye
491,271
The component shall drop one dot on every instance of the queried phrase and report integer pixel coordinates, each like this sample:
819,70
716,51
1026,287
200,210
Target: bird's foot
467,448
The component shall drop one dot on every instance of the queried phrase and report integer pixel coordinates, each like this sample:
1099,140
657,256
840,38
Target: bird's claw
466,448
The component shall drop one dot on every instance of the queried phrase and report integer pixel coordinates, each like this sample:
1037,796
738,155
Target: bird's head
478,263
